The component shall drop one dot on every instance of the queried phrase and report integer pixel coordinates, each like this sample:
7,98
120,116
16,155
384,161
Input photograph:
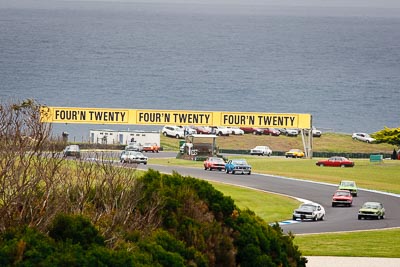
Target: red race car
214,163
151,147
342,197
335,162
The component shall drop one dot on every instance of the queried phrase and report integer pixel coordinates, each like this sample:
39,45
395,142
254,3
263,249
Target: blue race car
238,166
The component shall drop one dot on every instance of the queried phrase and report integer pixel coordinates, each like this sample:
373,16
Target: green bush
76,229
193,225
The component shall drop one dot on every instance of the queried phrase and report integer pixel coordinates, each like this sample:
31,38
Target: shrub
76,229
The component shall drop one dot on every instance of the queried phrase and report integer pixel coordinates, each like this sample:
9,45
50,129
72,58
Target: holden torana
372,210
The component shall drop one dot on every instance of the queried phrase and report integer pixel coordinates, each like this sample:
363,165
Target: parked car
188,130
173,131
236,130
291,132
203,129
342,197
134,146
316,132
261,151
363,137
220,130
271,131
72,151
151,147
372,210
294,153
133,157
238,166
349,185
335,162
309,211
252,130
214,163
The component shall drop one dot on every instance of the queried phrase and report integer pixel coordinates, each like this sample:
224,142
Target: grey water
341,65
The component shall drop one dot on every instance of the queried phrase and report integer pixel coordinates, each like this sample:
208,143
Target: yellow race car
294,153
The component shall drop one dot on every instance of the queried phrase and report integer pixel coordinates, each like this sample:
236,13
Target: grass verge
381,243
270,207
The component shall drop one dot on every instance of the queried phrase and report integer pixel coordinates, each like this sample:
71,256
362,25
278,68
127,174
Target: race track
337,219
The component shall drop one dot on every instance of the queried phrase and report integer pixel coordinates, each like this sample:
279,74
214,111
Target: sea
341,64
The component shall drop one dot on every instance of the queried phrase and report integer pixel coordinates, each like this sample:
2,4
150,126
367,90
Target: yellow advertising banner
174,117
84,115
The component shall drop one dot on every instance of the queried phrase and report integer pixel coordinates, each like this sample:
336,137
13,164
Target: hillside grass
329,142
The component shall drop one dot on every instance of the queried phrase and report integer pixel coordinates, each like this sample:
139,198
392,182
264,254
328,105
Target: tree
388,135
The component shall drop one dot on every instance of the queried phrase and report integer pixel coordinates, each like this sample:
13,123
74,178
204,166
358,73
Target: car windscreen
308,207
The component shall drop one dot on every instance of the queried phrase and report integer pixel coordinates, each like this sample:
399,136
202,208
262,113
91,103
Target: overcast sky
306,3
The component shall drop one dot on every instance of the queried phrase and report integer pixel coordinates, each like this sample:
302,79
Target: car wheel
248,173
359,217
321,165
316,218
165,133
333,204
294,218
177,136
322,217
342,166
383,216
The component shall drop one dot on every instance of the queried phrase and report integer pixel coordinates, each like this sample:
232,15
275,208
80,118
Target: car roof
372,202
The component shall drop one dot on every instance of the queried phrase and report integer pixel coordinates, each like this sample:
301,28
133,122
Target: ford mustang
335,162
214,163
373,210
238,166
342,197
309,211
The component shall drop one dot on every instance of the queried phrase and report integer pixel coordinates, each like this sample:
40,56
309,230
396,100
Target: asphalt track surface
337,219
